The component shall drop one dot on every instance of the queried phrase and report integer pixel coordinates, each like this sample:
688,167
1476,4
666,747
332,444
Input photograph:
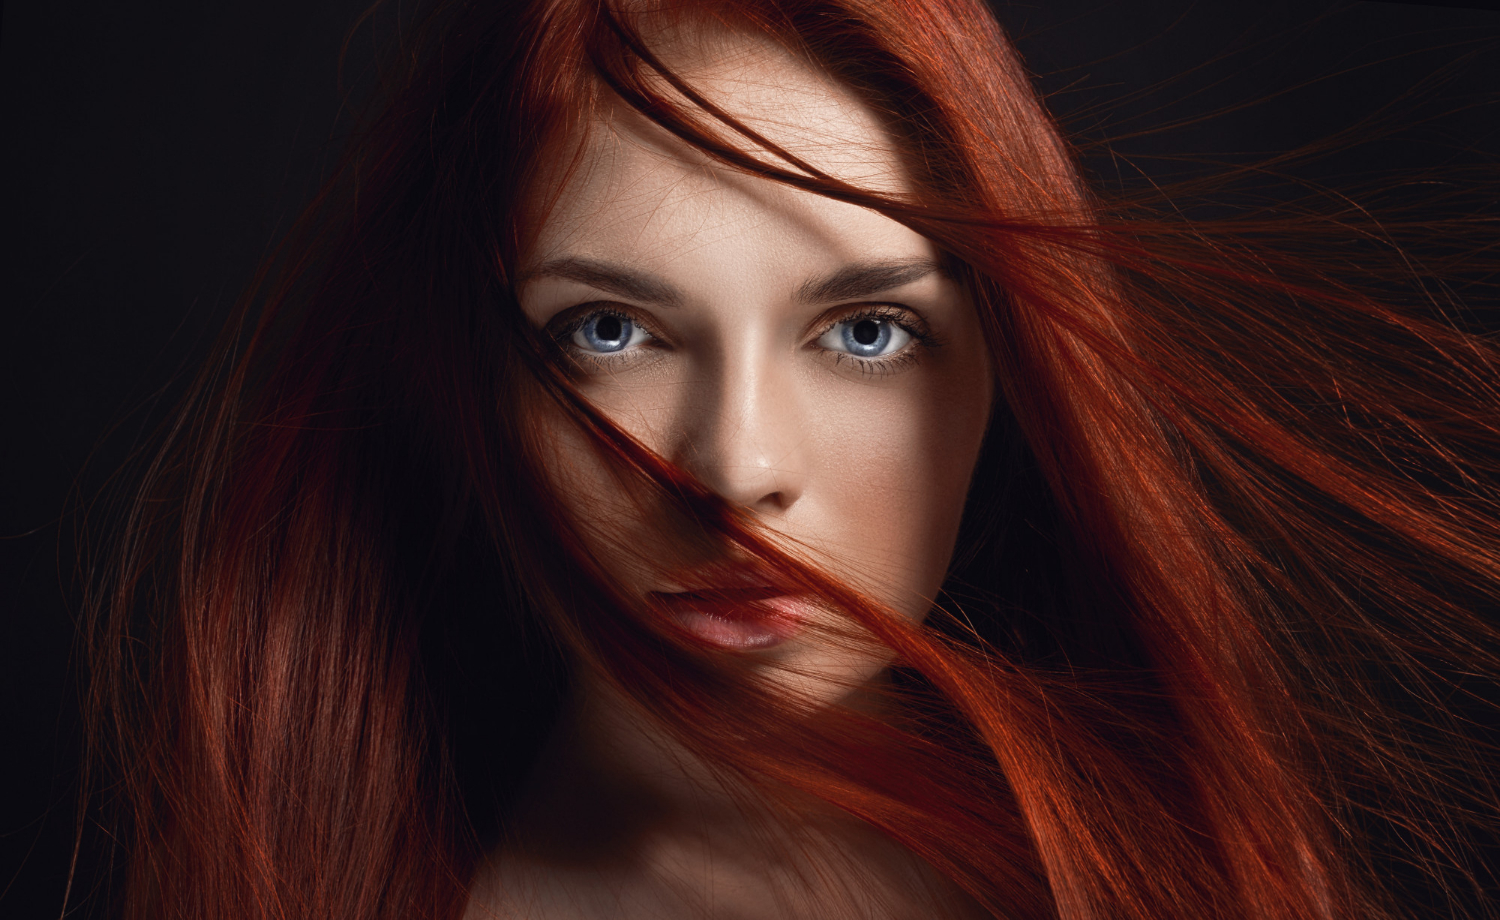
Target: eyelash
921,335
562,335
873,367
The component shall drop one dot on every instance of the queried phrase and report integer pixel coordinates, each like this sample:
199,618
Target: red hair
1221,576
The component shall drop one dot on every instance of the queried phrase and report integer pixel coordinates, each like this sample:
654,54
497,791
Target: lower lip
758,624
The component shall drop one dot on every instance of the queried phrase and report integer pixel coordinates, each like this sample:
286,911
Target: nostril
772,501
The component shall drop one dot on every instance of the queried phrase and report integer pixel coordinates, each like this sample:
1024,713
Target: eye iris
607,332
867,338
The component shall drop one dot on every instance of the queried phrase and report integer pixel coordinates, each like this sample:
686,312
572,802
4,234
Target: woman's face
807,359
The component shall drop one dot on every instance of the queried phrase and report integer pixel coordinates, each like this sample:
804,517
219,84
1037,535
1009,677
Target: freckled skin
867,463
734,365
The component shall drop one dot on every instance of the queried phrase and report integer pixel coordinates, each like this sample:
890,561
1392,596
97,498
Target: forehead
631,186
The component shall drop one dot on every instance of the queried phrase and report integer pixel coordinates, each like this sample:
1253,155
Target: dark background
154,152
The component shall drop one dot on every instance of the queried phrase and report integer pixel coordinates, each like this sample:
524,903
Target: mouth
740,616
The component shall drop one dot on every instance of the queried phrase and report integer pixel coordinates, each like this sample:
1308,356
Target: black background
154,152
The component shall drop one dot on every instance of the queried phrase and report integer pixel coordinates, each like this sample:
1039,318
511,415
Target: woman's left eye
607,333
866,337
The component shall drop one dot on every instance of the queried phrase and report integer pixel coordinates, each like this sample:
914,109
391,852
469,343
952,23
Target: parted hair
1215,643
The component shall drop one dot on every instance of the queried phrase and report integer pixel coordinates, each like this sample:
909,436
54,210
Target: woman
575,535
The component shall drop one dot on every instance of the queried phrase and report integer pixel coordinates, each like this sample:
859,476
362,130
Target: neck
618,808
610,779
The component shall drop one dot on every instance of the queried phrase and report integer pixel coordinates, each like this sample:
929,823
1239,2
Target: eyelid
566,322
905,317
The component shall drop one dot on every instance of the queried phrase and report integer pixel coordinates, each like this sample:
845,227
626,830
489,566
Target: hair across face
810,360
771,297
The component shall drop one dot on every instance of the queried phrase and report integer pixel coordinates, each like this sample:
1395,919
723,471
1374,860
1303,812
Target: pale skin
807,359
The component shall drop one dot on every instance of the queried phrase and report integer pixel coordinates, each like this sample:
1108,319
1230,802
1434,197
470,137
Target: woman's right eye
607,333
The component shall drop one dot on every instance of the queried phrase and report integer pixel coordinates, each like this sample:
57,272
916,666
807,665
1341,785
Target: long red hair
1208,648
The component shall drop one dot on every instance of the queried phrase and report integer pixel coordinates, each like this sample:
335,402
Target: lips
735,615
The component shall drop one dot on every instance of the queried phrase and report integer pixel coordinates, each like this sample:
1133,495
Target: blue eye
865,337
608,333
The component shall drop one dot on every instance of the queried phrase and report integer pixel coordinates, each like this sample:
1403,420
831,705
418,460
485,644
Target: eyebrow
865,278
607,276
848,283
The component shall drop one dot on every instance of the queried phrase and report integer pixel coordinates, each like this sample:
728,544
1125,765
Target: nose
744,434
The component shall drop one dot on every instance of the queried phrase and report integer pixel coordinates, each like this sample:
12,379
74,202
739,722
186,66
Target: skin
740,291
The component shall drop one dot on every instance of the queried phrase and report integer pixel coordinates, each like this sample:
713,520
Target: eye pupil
867,338
866,332
608,329
605,333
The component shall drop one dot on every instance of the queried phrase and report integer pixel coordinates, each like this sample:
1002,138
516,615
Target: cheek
602,504
893,465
